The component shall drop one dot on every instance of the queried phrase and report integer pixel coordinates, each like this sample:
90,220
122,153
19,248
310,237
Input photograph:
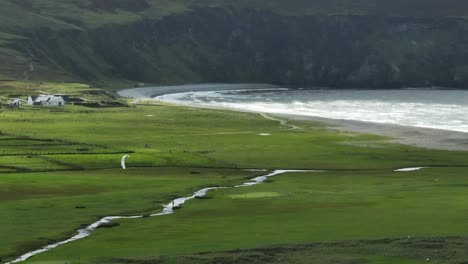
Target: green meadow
39,208
306,208
163,135
60,170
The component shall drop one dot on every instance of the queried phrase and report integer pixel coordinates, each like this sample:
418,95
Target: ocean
430,108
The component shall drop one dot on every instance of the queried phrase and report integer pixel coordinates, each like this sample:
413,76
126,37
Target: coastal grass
162,135
23,89
25,163
72,156
39,208
399,214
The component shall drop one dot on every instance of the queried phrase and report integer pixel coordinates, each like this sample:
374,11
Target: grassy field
306,207
190,137
59,170
384,251
38,208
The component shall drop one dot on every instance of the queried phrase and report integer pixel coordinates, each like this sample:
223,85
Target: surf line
167,210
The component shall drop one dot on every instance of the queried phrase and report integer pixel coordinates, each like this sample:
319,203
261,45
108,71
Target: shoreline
407,135
151,92
422,137
429,138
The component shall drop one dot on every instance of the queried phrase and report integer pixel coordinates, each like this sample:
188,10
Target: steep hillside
344,43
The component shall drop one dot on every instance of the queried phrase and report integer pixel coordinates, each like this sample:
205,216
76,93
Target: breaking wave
430,108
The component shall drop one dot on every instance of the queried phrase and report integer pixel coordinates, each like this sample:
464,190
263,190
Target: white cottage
46,100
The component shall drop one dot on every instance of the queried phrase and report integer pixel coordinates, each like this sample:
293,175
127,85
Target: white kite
122,162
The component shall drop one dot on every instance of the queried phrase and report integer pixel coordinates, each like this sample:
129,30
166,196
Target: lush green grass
28,163
24,89
330,206
38,208
192,137
94,13
32,146
385,251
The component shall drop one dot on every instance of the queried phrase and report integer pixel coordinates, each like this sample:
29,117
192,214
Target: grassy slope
306,207
20,18
12,89
94,13
414,8
25,88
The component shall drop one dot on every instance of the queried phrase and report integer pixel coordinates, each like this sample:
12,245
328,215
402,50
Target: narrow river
167,209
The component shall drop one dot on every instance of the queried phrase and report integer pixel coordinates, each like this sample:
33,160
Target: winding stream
167,209
410,169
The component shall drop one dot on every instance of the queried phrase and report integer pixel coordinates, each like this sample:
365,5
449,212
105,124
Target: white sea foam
440,109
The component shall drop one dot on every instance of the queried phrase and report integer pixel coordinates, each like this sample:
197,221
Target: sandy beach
408,135
151,92
414,136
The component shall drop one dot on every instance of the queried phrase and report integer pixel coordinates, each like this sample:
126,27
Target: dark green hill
346,43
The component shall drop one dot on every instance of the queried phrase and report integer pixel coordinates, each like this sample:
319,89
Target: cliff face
225,44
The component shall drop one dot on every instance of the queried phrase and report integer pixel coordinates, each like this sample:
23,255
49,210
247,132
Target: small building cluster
48,100
16,103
